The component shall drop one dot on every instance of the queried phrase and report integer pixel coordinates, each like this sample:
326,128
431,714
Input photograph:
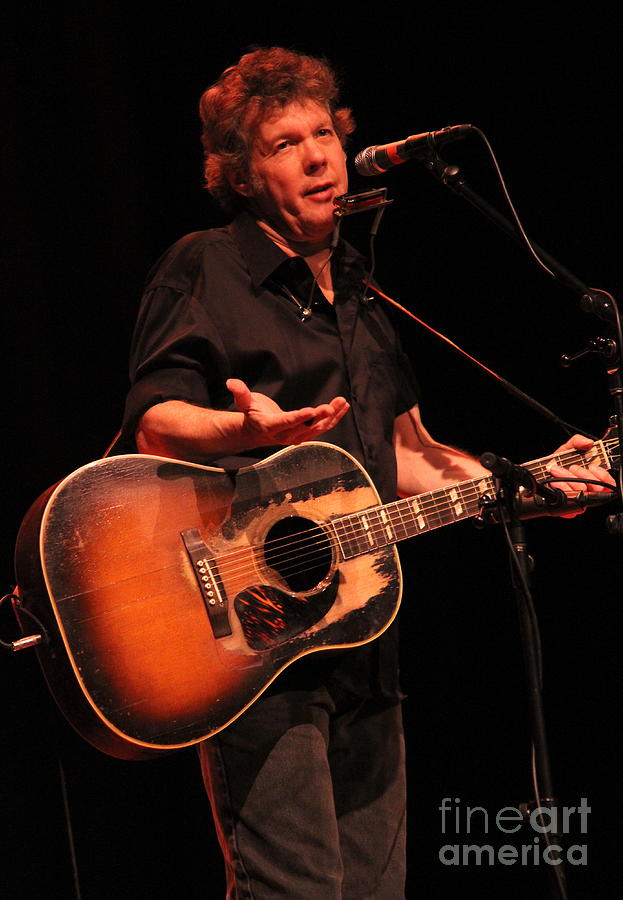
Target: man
251,338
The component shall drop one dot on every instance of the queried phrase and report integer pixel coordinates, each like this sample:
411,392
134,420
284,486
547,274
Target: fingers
265,423
328,415
313,423
242,394
577,442
592,473
597,474
296,418
572,488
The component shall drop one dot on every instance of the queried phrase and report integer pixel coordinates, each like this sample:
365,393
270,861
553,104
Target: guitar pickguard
270,617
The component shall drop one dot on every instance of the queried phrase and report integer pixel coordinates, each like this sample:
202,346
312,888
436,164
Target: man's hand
180,430
266,424
592,472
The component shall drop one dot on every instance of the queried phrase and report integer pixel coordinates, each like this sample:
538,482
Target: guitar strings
368,538
445,513
440,510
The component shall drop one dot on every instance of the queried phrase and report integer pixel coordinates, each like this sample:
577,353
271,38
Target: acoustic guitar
172,594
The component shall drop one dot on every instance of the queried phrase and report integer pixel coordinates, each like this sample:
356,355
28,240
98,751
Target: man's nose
314,156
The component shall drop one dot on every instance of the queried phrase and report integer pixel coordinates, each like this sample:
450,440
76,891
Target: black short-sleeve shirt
226,303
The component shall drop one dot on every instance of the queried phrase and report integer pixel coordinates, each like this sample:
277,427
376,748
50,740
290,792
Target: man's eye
323,132
282,145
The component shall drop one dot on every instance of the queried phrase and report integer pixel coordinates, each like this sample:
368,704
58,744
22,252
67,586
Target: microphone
504,468
501,467
376,160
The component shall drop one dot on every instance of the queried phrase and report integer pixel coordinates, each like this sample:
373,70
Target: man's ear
240,182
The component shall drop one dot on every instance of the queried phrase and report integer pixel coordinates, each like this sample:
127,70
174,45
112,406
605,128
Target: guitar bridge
209,581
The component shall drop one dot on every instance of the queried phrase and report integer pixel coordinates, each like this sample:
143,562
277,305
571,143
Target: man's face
297,168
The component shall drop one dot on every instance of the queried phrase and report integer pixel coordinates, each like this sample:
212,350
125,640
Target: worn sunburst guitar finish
172,594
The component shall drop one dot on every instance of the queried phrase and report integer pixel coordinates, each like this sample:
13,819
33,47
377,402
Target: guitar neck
379,526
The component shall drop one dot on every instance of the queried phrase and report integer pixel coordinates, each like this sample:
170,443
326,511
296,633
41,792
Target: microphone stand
450,175
597,302
602,305
510,505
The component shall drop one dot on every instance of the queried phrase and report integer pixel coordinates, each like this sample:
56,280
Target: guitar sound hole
299,551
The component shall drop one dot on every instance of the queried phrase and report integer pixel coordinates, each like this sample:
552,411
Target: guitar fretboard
379,526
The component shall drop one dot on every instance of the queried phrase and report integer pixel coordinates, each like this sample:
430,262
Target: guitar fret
387,524
397,522
348,540
601,454
379,527
415,522
338,539
415,510
417,514
372,531
366,527
443,515
538,469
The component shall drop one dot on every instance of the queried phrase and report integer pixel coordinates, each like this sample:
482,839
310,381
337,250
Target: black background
103,172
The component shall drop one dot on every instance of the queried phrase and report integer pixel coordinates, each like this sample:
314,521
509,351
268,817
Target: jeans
308,794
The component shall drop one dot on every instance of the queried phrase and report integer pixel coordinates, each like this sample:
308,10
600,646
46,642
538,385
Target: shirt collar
261,255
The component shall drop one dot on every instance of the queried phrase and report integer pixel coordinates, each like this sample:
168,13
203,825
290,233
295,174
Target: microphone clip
524,484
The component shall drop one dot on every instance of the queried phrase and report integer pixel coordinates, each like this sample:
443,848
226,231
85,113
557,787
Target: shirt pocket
380,390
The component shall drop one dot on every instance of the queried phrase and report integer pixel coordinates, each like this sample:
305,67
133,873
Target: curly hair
261,82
